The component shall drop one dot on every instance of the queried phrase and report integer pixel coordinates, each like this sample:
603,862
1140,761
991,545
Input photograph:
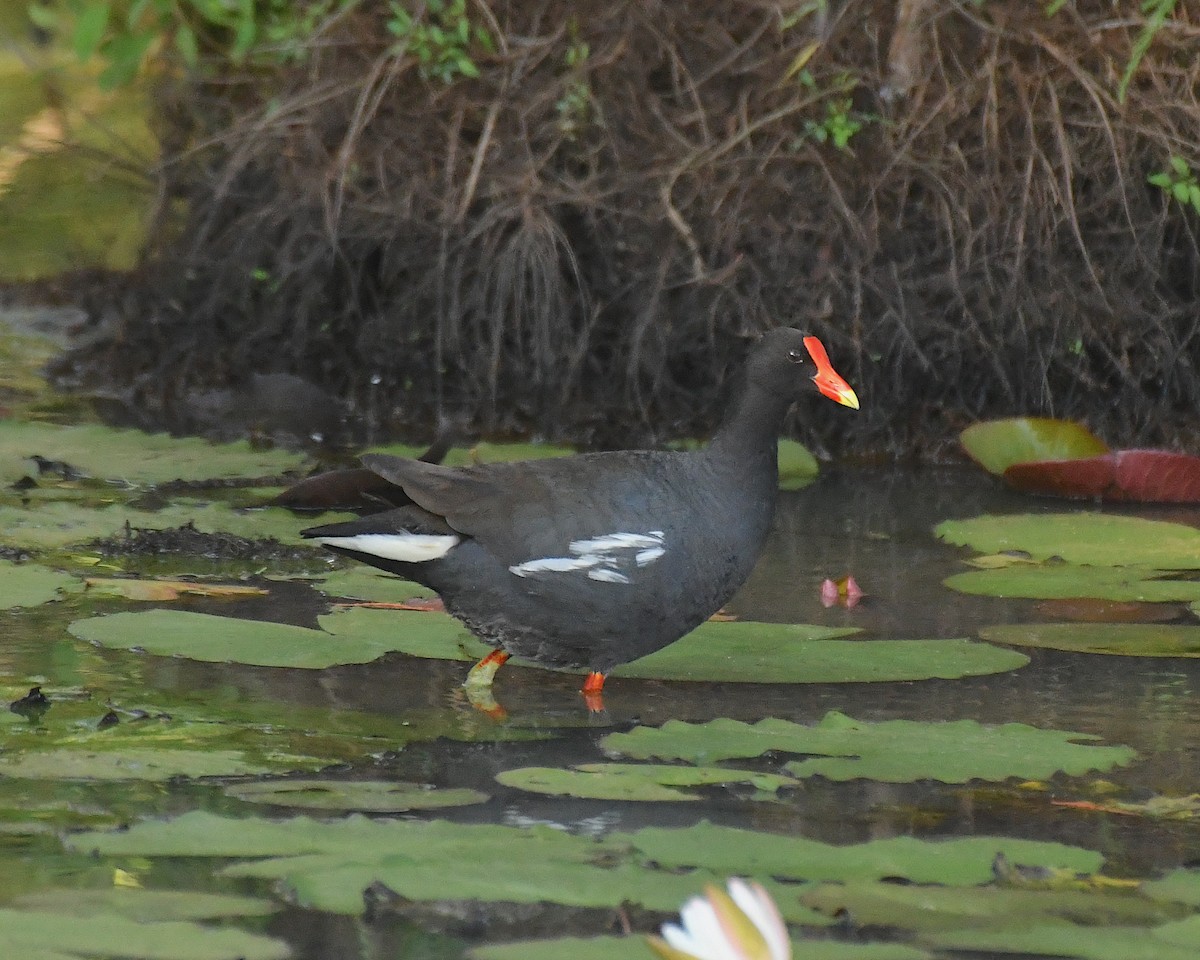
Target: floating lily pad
997,444
375,796
145,906
1087,538
133,763
797,466
1178,886
627,781
327,865
744,652
1060,581
1119,639
362,583
355,636
961,861
1171,941
930,909
894,751
36,933
43,525
131,456
30,585
635,948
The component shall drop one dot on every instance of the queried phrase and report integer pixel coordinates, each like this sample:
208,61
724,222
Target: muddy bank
578,242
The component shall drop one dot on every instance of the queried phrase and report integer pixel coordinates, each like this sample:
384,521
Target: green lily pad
932,909
1178,886
204,637
635,948
957,862
1172,941
997,444
31,585
742,652
327,865
1063,581
145,906
1118,639
131,456
894,751
375,796
45,933
363,583
627,781
746,652
45,525
132,763
1087,538
797,466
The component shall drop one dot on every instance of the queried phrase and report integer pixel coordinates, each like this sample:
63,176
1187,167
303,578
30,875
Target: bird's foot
593,692
482,674
480,697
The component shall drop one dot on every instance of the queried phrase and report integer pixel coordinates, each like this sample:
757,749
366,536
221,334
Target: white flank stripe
405,547
607,576
648,556
554,565
612,542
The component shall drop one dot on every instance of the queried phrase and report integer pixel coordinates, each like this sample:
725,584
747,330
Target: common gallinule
595,560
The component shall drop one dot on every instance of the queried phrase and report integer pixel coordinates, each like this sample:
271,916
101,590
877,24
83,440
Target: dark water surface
875,525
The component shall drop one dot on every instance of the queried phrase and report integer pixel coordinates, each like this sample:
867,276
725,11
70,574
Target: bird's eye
797,356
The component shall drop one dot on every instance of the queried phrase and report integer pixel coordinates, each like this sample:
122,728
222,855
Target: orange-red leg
484,671
593,692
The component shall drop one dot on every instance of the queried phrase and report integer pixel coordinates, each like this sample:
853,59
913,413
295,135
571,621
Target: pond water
403,718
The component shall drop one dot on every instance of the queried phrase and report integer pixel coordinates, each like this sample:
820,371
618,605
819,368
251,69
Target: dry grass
990,246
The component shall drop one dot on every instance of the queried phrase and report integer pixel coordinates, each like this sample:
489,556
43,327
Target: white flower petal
706,939
756,903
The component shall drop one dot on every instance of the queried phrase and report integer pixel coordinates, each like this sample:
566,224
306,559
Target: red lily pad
1142,476
998,444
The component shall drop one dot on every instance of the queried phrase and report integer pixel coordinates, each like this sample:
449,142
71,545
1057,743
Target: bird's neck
747,438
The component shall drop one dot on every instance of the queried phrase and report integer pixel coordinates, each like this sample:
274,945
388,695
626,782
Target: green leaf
1067,581
1160,180
1180,165
1119,639
30,585
1176,941
740,652
327,864
145,906
133,763
997,444
131,456
629,781
41,15
893,751
1179,190
1086,538
125,55
185,43
928,909
32,932
374,796
89,29
956,862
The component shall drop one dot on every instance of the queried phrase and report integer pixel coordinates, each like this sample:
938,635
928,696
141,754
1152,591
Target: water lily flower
743,924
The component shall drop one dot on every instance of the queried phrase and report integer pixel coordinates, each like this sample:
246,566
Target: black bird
595,560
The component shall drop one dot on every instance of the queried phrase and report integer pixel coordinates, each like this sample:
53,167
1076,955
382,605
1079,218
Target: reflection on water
874,525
